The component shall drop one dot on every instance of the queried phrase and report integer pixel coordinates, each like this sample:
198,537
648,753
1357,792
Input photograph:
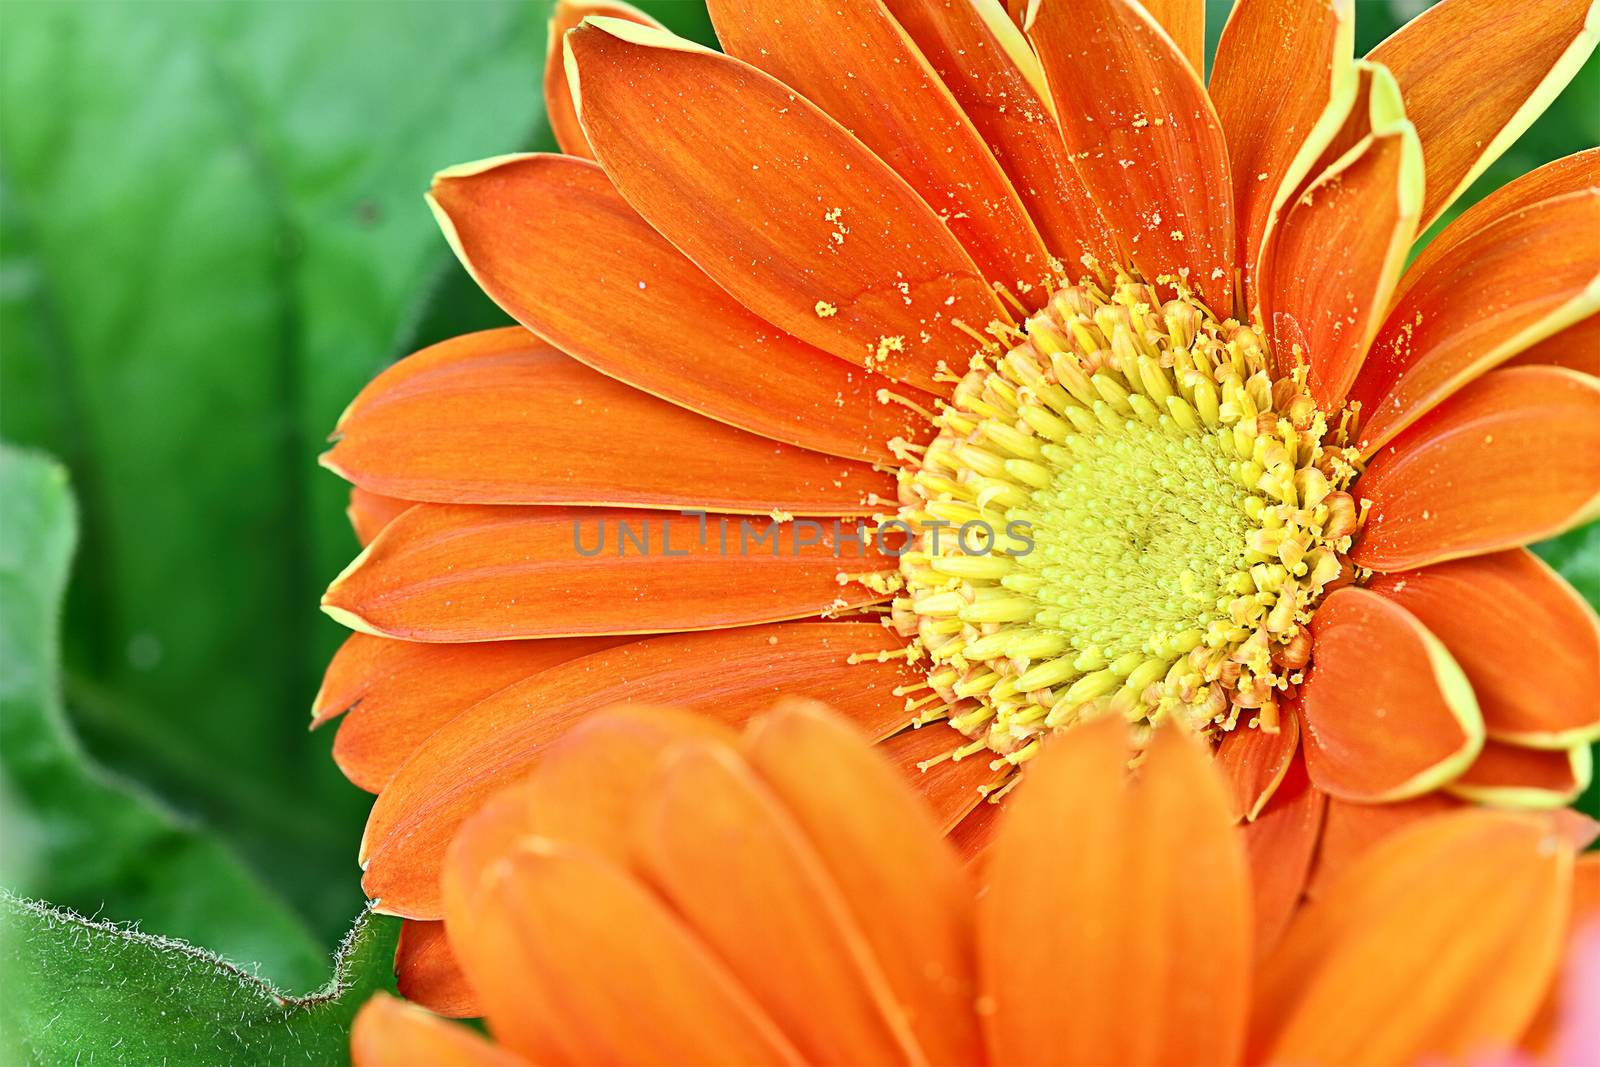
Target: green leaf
82,992
70,834
212,236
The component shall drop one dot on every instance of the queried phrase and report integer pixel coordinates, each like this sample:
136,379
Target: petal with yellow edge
1510,285
388,1031
1142,131
912,900
1304,51
1476,73
713,838
794,216
1529,644
1436,946
1185,23
1156,862
1510,459
1569,174
666,328
1253,761
557,96
855,63
454,573
990,69
1388,713
1336,256
1510,776
561,937
504,418
729,674
426,971
1577,348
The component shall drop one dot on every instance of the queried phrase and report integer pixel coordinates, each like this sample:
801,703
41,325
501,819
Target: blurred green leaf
70,834
83,992
212,236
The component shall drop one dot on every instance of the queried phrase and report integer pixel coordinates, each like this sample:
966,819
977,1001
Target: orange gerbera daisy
664,891
1127,369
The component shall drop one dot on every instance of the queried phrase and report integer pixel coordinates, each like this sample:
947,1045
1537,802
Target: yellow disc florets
1125,512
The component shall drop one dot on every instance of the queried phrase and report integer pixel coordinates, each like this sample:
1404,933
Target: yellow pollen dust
1125,513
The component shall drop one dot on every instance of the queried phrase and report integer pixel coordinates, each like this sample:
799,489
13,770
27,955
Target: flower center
1122,513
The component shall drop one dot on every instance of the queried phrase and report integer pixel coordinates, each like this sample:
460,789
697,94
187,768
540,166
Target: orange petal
557,97
666,328
1137,121
426,971
974,834
1512,458
1281,843
444,572
369,513
502,418
730,674
1253,762
1529,644
1436,946
1337,255
903,883
1349,830
1304,52
794,216
1476,73
1388,713
726,856
854,62
400,692
1511,776
1185,23
950,788
1098,887
1546,1027
561,942
1569,174
388,1032
990,69
1577,348
1511,284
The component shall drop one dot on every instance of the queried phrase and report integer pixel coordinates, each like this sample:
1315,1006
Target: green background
211,235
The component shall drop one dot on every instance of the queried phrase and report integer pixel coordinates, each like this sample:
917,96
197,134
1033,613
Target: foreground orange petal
668,330
1528,643
388,1031
457,573
1388,713
1124,93
1510,459
854,62
1274,137
1438,944
557,97
1147,886
730,674
1476,73
826,242
1509,285
911,905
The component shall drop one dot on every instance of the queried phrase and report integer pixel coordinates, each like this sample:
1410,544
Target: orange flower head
983,371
